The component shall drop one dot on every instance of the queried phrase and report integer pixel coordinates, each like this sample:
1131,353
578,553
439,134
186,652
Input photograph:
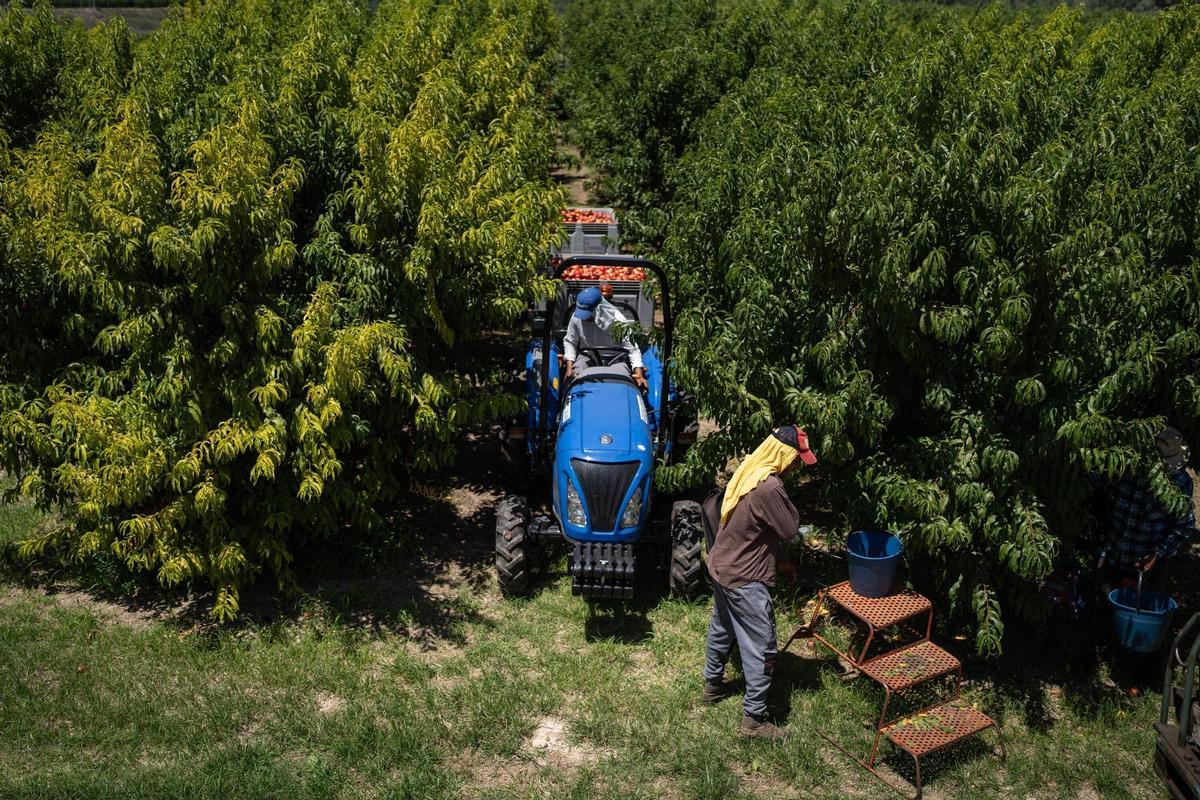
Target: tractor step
602,569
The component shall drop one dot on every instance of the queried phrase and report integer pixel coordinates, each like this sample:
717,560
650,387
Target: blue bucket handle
1137,603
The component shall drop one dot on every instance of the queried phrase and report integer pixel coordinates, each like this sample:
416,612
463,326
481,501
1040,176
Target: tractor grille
604,487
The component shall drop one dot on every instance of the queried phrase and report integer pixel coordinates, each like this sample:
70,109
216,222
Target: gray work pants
746,616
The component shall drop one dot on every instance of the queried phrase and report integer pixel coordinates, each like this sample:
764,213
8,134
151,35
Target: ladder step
940,726
905,668
879,612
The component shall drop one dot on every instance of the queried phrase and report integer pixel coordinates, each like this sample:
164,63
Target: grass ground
412,678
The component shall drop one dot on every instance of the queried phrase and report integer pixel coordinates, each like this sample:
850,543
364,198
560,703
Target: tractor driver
589,328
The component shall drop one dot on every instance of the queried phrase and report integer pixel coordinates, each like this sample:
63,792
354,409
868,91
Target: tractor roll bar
668,330
1172,658
1185,724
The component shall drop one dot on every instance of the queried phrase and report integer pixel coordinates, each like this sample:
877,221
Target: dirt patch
644,662
75,600
250,732
468,502
111,612
550,744
574,175
762,786
665,788
483,774
853,782
329,704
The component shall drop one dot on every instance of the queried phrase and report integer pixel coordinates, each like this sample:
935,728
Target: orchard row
244,260
961,246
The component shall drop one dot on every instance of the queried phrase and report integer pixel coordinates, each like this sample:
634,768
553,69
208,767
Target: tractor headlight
633,511
575,512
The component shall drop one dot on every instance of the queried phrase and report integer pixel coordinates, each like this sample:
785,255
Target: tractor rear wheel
687,542
513,546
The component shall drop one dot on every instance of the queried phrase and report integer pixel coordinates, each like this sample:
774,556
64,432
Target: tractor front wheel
513,546
687,540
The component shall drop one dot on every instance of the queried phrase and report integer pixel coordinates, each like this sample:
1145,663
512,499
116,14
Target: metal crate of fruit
633,297
590,230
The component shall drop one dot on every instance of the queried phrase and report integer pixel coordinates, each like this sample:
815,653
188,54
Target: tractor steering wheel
604,356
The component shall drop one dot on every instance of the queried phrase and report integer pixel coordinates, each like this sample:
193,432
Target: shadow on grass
424,576
792,673
616,621
426,588
628,621
1078,665
1043,673
1047,671
985,745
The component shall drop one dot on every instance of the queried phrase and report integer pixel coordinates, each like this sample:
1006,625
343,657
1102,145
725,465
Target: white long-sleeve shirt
585,333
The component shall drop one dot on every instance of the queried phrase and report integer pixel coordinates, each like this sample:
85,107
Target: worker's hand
1148,563
639,377
570,368
787,569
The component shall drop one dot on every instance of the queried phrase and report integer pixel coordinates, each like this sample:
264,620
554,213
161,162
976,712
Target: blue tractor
595,442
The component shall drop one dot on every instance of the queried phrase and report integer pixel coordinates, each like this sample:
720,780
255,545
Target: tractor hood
605,451
605,422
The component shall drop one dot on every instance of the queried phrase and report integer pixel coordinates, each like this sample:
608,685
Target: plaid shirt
1138,525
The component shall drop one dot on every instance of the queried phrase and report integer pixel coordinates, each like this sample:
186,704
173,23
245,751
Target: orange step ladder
915,672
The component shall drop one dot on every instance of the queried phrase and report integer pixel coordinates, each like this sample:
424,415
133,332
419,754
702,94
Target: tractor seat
614,374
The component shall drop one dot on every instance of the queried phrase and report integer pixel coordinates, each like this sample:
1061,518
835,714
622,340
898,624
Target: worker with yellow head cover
748,523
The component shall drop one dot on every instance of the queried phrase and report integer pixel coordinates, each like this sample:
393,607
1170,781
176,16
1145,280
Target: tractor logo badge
605,438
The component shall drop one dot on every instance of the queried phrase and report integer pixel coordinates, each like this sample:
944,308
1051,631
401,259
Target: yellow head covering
770,458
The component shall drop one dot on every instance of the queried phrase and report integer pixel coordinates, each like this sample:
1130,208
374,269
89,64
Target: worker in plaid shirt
1139,533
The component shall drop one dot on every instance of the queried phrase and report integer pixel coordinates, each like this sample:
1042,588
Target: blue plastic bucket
1141,631
874,558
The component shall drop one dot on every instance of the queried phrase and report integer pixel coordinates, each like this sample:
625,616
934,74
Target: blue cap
585,301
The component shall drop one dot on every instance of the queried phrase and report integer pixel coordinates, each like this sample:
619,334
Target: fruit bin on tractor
595,442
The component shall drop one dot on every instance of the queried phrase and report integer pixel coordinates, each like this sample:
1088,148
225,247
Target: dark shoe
753,728
716,692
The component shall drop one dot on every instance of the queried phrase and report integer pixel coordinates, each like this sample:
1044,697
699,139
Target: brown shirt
747,547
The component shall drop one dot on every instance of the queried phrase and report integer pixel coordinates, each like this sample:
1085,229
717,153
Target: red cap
806,455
